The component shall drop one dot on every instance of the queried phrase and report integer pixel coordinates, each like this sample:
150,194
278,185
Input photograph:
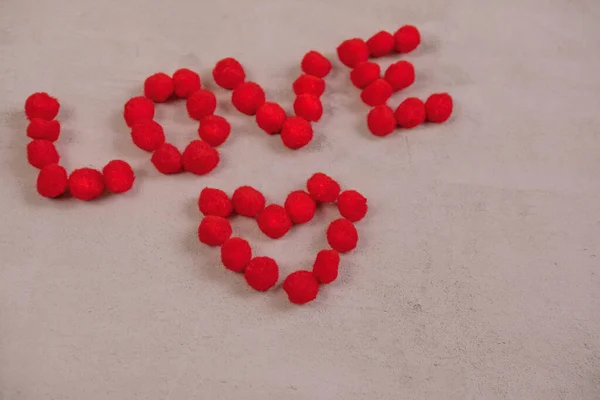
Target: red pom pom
215,202
118,176
301,287
186,82
41,153
213,230
41,105
439,107
364,74
147,135
381,44
247,97
326,265
270,117
236,254
214,129
308,107
308,84
323,188
296,133
352,52
400,75
159,87
407,39
229,73
261,273
315,64
167,159
381,120
248,201
86,183
342,235
410,113
376,93
274,221
352,205
300,207
43,129
138,109
52,181
200,104
200,157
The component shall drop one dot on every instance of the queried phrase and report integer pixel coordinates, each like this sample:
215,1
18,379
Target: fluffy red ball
323,188
199,157
308,84
86,183
138,109
301,287
248,201
147,134
43,129
316,64
410,113
376,93
381,120
439,107
308,107
41,153
214,129
185,82
400,75
296,133
326,265
352,205
118,176
381,44
300,207
247,97
228,73
274,221
41,105
352,52
159,87
167,159
52,181
215,202
364,74
342,235
270,117
236,254
213,230
200,104
261,273
407,39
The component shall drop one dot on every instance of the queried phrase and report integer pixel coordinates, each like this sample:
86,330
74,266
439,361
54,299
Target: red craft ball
400,75
200,104
228,73
86,183
381,120
301,287
296,133
300,207
326,265
308,84
407,39
213,230
118,176
41,153
214,129
215,202
247,97
352,52
439,107
43,129
316,64
352,205
274,221
167,159
410,113
138,109
270,117
342,235
199,157
261,273
323,188
376,93
147,134
52,181
186,82
381,44
159,87
236,254
41,105
364,74
308,107
248,201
